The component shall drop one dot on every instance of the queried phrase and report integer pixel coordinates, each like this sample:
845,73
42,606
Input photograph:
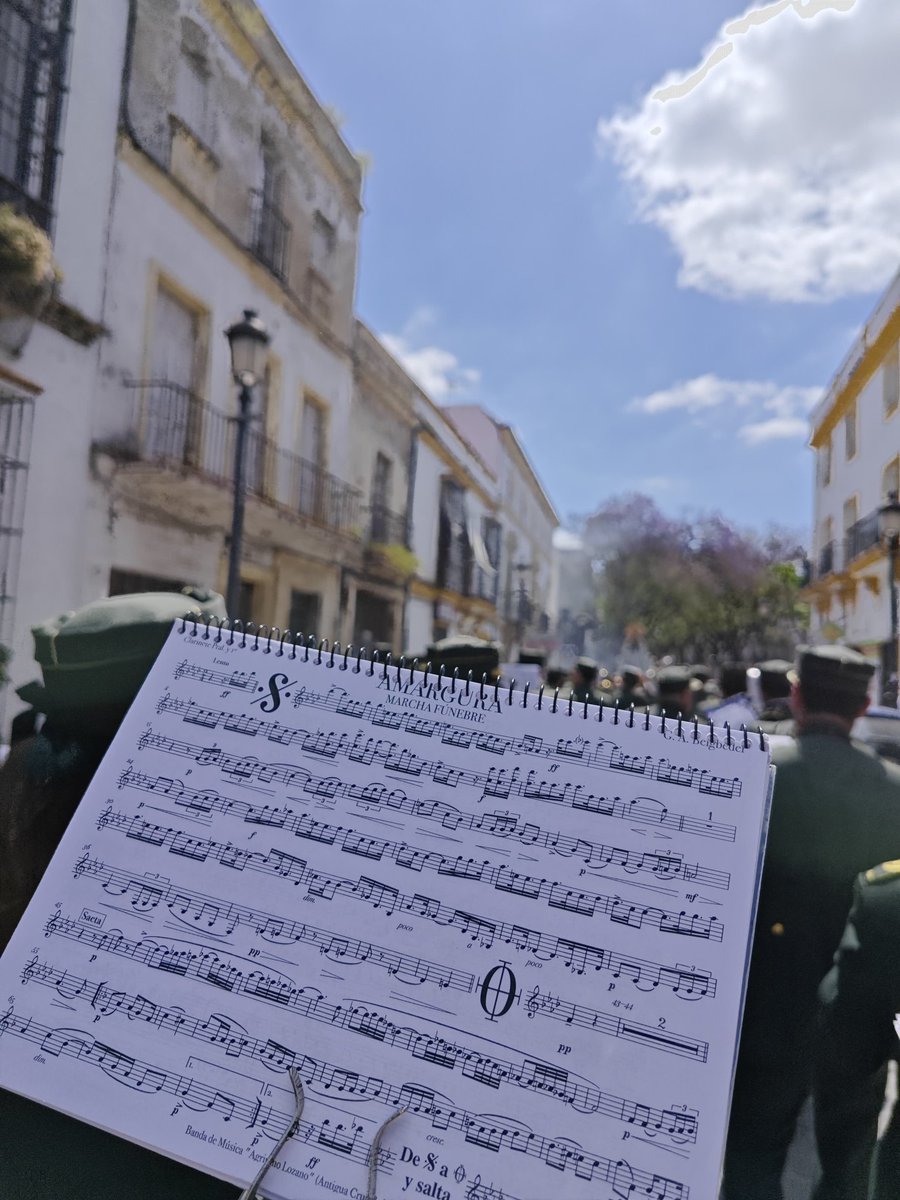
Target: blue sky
651,273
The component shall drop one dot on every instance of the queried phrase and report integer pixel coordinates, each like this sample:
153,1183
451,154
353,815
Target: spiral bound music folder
522,920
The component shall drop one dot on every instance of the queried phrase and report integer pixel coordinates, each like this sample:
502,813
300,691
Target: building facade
855,434
61,66
524,523
186,172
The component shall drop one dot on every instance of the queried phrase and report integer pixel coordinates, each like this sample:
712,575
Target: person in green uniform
858,1037
93,662
584,681
632,690
776,677
835,811
674,695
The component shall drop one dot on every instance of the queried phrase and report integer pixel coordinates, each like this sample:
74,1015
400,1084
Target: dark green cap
836,669
100,654
775,671
671,680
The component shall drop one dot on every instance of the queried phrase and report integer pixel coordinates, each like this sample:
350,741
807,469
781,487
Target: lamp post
248,341
889,532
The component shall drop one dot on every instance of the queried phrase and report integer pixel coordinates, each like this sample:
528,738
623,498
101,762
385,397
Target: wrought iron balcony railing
386,526
825,564
862,536
270,234
172,427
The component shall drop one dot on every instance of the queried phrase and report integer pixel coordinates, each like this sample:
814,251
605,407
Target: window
324,239
256,462
246,601
304,614
312,432
123,583
34,37
851,513
192,94
453,538
173,409
823,464
890,479
850,433
486,559
890,380
271,232
382,524
312,491
826,548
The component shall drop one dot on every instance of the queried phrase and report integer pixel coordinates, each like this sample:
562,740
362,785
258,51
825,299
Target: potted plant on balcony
28,276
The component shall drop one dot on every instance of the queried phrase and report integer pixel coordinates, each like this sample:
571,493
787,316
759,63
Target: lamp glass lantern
248,340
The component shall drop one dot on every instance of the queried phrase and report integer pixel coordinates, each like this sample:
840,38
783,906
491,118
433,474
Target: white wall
53,576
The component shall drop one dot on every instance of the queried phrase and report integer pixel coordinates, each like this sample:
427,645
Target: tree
698,589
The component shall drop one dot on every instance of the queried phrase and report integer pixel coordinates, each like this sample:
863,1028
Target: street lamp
889,532
248,341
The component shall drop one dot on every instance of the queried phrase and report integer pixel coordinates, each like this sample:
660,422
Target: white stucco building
191,174
57,166
855,432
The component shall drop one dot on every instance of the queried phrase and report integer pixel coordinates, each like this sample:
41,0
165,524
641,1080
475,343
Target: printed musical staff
510,826
493,782
368,891
487,1131
489,1070
195,1095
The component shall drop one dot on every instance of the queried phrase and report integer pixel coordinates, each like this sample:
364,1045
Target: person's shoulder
785,751
884,874
878,901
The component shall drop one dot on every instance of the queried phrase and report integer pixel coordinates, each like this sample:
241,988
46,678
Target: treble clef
533,1003
82,865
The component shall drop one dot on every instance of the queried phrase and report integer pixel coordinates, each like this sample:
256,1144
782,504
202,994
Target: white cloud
565,539
772,166
437,371
775,427
774,411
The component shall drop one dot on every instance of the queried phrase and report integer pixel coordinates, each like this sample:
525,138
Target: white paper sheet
528,928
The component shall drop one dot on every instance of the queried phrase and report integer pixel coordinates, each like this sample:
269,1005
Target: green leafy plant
403,561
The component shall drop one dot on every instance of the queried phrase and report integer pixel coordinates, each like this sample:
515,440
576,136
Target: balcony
270,234
172,429
386,527
862,536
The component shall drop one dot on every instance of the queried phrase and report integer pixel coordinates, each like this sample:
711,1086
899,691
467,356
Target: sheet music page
527,928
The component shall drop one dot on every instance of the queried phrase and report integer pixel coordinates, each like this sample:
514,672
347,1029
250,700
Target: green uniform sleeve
855,1042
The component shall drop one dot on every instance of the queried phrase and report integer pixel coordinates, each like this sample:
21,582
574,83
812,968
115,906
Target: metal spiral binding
283,643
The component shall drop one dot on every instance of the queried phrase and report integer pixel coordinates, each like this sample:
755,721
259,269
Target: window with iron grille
34,36
453,539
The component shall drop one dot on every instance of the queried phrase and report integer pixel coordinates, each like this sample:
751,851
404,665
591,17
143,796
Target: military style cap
587,668
465,654
535,658
776,675
836,668
99,655
673,679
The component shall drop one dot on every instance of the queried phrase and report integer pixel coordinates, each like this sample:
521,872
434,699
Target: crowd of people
822,1011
